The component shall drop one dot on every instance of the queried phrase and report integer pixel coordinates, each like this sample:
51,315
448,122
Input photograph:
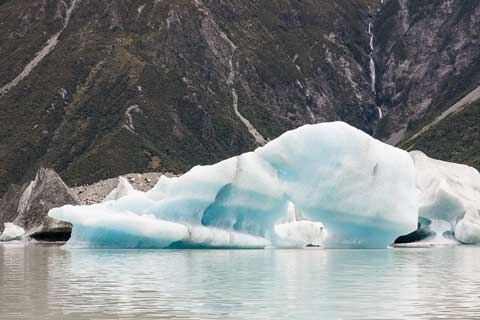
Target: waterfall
373,74
372,63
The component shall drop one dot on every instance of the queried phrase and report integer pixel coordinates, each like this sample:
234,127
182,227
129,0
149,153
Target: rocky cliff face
96,89
428,59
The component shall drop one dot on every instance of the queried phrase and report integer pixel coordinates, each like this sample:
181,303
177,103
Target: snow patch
128,114
63,93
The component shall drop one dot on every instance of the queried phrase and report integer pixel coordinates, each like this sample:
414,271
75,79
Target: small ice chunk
468,229
122,190
298,233
12,232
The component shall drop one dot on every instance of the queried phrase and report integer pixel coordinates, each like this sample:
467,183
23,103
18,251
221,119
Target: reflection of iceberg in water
360,189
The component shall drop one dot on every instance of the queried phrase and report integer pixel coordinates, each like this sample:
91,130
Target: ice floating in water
296,231
365,193
360,189
468,229
12,232
446,189
449,192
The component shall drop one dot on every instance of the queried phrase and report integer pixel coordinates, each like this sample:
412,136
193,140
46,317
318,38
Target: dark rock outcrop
9,204
28,206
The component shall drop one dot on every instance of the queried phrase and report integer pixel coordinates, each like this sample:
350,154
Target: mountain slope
95,89
152,85
456,138
428,59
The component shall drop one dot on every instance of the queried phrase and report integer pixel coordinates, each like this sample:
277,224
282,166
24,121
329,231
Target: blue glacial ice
360,190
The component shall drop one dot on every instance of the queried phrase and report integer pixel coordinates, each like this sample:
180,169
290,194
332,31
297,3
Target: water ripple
47,282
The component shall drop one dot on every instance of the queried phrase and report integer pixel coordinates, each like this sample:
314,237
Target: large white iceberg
361,190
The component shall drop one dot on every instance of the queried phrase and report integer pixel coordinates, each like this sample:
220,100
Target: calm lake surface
48,282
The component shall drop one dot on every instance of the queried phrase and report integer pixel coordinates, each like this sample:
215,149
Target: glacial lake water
48,282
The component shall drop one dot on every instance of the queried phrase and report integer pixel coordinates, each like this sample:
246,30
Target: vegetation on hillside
455,139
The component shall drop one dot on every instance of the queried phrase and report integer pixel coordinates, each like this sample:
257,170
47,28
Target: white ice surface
297,232
360,189
449,192
468,229
12,232
122,190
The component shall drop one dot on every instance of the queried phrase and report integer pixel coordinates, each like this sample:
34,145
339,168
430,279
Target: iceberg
449,199
123,189
11,232
468,229
359,189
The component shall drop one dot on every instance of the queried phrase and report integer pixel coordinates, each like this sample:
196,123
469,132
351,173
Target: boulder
9,204
28,206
